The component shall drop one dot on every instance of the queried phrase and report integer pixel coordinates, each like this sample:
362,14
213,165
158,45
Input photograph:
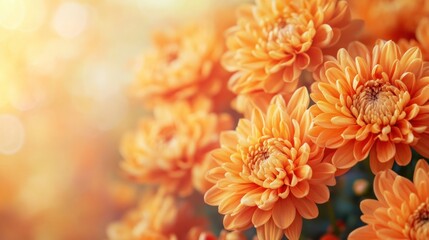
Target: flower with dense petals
165,150
270,174
160,216
401,210
274,41
183,64
390,19
372,103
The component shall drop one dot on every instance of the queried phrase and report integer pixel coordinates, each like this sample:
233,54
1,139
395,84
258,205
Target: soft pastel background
64,69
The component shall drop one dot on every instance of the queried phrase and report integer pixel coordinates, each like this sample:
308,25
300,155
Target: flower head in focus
184,64
401,210
160,216
274,41
372,103
270,174
166,149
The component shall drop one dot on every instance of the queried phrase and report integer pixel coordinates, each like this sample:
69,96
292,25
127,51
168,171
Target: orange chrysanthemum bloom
167,149
274,41
270,174
390,19
183,64
159,217
372,103
401,210
421,40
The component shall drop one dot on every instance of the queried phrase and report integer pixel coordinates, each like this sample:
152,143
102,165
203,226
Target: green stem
333,218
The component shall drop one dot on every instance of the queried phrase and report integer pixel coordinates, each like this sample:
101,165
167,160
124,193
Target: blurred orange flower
165,149
402,207
421,40
183,64
399,17
270,175
274,41
372,104
160,216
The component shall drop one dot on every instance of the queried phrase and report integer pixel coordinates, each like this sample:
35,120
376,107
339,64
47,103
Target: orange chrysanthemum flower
401,210
372,104
159,217
274,41
270,174
169,147
183,64
390,19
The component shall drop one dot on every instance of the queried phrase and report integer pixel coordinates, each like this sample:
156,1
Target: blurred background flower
64,69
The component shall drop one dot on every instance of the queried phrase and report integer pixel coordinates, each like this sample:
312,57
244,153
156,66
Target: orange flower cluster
356,101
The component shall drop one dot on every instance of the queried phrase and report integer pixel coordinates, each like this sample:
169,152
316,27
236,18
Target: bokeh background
64,71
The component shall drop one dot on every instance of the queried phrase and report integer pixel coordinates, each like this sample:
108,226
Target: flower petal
343,157
260,217
284,213
306,208
364,232
403,154
301,189
385,151
269,231
293,232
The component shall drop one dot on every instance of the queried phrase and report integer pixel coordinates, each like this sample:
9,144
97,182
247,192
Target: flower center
378,102
286,30
418,223
275,164
290,33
